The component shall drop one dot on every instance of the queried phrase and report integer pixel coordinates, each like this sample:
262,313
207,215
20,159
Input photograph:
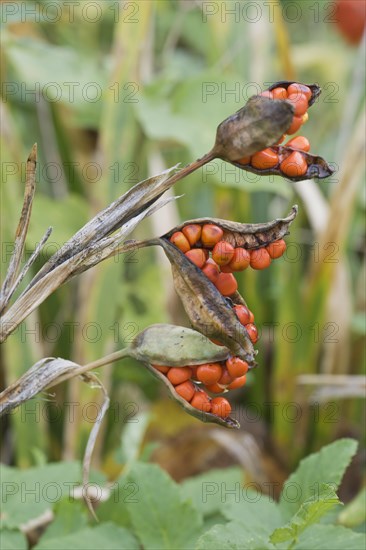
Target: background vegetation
115,92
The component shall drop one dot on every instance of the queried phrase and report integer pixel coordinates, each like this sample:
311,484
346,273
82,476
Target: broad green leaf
123,492
26,494
309,512
161,518
254,509
213,491
336,537
12,540
234,536
354,513
70,516
326,466
107,536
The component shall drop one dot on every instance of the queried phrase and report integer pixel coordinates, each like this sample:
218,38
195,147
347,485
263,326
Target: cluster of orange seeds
293,164
214,378
218,259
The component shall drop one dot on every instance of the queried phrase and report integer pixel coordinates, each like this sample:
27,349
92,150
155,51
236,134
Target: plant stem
111,358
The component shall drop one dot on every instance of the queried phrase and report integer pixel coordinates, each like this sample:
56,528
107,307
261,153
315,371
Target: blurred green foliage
119,90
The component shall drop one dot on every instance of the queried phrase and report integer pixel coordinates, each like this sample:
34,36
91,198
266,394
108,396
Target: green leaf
354,513
256,511
115,508
26,494
161,518
336,537
234,536
326,466
12,540
70,516
309,512
212,491
107,535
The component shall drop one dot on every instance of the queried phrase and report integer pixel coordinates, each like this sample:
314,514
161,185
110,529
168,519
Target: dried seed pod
257,125
208,311
246,235
175,346
193,411
317,167
296,86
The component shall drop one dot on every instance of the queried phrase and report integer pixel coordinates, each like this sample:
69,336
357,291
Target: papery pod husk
315,89
175,346
247,235
200,415
317,166
257,125
208,311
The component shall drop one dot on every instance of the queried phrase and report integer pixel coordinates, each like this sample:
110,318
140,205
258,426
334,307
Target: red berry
294,165
237,383
223,253
252,333
225,379
298,89
244,160
215,388
220,407
226,284
299,142
178,375
279,93
201,401
186,390
260,259
297,121
240,260
243,314
350,18
299,102
276,249
198,256
211,270
267,93
192,232
264,159
161,368
180,241
211,234
209,373
236,367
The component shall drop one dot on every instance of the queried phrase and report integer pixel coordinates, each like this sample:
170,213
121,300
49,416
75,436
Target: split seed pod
176,346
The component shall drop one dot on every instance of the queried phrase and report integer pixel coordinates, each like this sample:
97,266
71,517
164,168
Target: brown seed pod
315,89
201,415
257,125
208,311
317,167
246,235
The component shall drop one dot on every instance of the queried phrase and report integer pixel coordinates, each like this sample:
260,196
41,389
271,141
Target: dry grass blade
93,380
88,257
118,213
21,232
